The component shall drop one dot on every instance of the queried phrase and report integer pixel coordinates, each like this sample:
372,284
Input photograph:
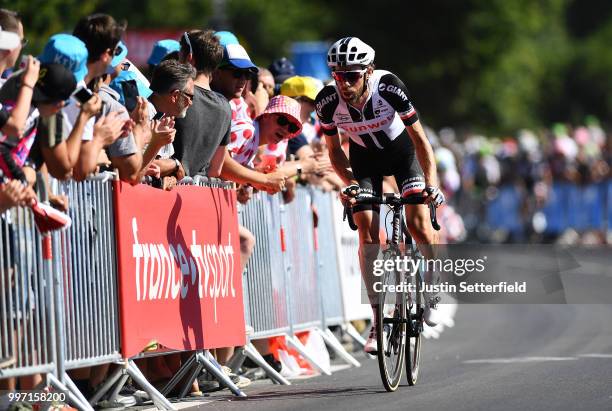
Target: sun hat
287,106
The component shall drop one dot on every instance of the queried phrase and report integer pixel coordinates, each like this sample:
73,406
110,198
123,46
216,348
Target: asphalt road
497,357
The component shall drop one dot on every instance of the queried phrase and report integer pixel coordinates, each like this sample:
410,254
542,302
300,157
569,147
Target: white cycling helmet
349,51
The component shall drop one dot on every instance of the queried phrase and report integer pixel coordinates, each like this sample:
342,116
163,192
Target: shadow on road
308,393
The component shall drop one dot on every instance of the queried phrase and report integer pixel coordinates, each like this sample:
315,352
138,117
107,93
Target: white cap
8,40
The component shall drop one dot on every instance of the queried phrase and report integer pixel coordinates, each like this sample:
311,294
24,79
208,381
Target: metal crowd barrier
59,310
26,301
264,285
293,281
300,262
328,268
86,257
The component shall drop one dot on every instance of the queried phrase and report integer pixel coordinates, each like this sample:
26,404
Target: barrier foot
333,342
73,398
213,367
179,375
256,357
354,334
194,374
110,381
72,387
299,347
159,400
118,387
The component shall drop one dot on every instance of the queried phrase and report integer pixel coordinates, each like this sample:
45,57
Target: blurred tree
267,28
43,18
493,65
588,83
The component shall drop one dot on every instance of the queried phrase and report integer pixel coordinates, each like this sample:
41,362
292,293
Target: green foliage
267,28
490,65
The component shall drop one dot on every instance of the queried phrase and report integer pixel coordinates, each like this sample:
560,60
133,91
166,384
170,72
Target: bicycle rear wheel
391,329
415,310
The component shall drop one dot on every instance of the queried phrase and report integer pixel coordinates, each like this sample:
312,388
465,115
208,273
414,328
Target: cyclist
373,108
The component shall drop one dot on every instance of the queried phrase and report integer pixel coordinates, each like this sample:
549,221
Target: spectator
161,49
230,80
281,69
12,123
303,90
202,135
173,94
101,35
61,154
117,63
10,22
55,85
226,37
266,79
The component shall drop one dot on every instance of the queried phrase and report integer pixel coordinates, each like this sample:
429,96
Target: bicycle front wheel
391,331
415,326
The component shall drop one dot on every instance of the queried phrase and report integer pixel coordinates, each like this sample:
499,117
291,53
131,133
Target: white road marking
517,360
596,355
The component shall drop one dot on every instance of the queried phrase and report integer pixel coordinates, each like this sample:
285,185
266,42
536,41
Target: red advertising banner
179,268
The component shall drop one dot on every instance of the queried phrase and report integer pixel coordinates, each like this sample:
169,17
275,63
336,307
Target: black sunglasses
350,77
118,50
284,121
188,95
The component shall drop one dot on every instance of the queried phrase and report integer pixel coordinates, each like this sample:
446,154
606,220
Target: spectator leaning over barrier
19,157
202,135
230,80
171,82
63,143
54,85
101,35
316,167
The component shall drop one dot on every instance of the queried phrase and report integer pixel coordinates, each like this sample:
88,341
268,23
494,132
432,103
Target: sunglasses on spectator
186,37
283,121
350,77
188,95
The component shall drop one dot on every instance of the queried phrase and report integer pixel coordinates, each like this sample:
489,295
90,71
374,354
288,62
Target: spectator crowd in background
202,107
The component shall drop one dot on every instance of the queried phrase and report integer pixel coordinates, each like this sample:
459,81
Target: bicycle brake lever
432,214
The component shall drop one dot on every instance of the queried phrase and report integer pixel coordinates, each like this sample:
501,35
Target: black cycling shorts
398,159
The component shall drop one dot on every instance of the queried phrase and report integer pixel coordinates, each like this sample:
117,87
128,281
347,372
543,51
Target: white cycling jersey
383,118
